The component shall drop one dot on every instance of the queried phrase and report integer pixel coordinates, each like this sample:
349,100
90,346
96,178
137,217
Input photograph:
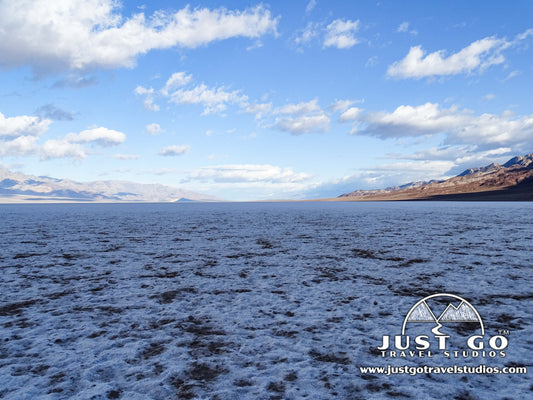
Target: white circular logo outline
443,295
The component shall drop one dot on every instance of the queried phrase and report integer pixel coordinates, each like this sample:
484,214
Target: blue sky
271,100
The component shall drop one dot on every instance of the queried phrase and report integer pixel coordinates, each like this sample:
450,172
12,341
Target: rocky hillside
510,181
18,187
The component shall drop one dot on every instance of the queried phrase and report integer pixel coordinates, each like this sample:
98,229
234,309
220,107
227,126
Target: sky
249,100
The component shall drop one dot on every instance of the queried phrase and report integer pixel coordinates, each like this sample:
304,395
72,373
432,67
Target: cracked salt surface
252,301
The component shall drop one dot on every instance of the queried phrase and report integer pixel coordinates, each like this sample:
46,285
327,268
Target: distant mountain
510,181
18,187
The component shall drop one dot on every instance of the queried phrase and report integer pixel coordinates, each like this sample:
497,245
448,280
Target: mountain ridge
16,187
510,181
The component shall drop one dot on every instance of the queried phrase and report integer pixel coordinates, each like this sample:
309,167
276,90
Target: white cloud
148,101
19,136
303,124
61,149
380,177
460,126
213,99
88,34
489,96
176,80
305,117
20,146
257,45
247,173
343,105
350,114
403,27
300,108
310,6
461,157
126,156
22,125
259,109
153,129
175,150
340,34
311,31
512,74
178,90
99,135
485,156
477,56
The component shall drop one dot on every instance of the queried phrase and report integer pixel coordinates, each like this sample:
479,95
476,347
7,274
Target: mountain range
20,188
510,181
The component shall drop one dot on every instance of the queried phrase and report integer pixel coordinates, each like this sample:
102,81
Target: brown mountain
510,181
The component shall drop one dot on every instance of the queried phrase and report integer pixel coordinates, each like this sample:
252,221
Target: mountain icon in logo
422,312
463,313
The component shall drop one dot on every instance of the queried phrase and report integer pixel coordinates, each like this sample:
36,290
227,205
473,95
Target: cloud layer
90,34
461,126
19,136
247,173
476,57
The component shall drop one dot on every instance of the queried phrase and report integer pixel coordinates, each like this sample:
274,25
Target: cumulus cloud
305,117
19,137
70,146
174,150
300,108
153,129
303,124
404,28
22,125
212,99
343,105
247,173
338,33
341,34
61,148
350,114
179,90
176,80
461,126
20,146
88,34
259,109
100,135
381,176
476,57
148,94
461,157
306,35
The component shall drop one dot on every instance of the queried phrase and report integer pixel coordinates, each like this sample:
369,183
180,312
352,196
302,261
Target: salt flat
252,300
